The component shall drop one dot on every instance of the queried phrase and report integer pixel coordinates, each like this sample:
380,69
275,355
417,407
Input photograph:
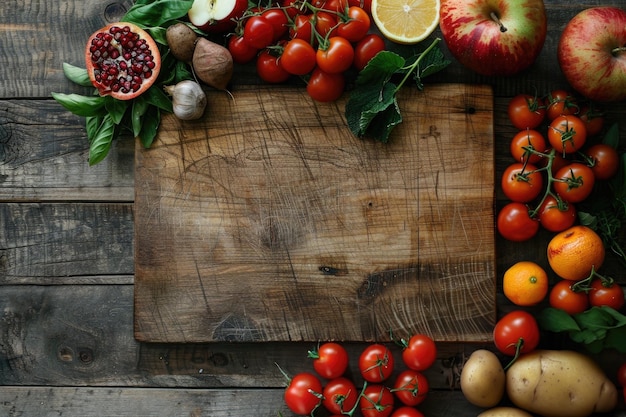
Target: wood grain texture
268,220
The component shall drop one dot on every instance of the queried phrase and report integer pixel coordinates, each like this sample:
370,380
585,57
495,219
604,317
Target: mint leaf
431,62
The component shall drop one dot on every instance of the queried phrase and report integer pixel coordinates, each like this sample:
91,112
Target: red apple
494,37
216,16
592,53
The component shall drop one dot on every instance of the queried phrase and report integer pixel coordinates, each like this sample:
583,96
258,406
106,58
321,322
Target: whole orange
574,252
525,283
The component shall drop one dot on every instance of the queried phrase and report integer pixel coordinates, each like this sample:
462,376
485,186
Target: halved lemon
406,21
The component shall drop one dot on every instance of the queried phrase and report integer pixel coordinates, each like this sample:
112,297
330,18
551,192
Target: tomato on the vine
340,395
602,294
376,401
526,141
560,102
302,393
241,52
593,119
526,111
336,56
356,24
363,4
574,182
325,24
324,87
258,32
563,297
521,182
376,363
366,49
278,18
407,411
419,353
556,215
567,134
330,360
411,387
605,160
302,28
516,330
298,57
335,6
514,222
269,69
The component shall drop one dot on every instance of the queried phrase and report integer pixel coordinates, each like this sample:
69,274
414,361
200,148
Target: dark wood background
66,248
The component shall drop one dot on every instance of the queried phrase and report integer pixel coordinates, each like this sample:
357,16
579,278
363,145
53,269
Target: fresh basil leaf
140,106
101,142
158,34
556,320
150,126
92,123
157,97
611,137
116,108
77,75
615,339
157,13
81,105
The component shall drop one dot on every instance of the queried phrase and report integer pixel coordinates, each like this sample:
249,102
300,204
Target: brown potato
182,41
482,379
505,412
560,383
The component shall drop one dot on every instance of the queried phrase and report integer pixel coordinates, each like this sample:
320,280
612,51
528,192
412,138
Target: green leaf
611,137
101,142
380,69
615,339
150,126
156,97
431,62
81,105
556,320
140,107
92,123
116,108
157,13
77,75
158,34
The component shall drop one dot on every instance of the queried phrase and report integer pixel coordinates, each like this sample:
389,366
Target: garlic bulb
188,100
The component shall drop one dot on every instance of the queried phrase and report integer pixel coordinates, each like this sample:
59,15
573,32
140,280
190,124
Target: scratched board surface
267,220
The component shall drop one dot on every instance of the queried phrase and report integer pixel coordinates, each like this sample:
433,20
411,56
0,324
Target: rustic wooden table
67,247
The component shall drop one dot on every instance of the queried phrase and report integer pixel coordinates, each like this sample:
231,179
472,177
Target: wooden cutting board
268,220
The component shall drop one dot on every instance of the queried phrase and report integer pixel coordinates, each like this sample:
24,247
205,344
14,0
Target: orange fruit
406,21
574,252
525,283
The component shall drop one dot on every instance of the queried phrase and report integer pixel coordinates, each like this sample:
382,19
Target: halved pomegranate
122,60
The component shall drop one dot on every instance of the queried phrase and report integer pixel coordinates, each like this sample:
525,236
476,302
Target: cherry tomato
269,70
558,161
355,25
411,387
621,375
567,134
521,183
302,28
526,111
336,6
325,24
526,141
516,327
240,50
278,18
324,87
556,215
593,119
366,49
376,363
330,360
560,102
606,295
407,412
419,353
336,57
515,224
605,160
300,395
363,4
298,57
376,401
340,395
574,182
258,32
563,297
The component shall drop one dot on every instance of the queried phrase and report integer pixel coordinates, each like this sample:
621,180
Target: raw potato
560,383
182,41
505,412
482,379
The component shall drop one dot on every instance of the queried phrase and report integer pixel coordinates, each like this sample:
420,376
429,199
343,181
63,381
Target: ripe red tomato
340,395
240,50
335,6
278,19
526,111
336,56
574,182
258,32
366,49
325,24
298,57
411,387
593,118
407,412
376,401
302,28
355,25
605,160
376,363
556,215
606,295
324,87
563,297
567,134
330,360
363,4
524,142
521,183
560,102
516,328
515,224
621,375
419,353
302,393
269,70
